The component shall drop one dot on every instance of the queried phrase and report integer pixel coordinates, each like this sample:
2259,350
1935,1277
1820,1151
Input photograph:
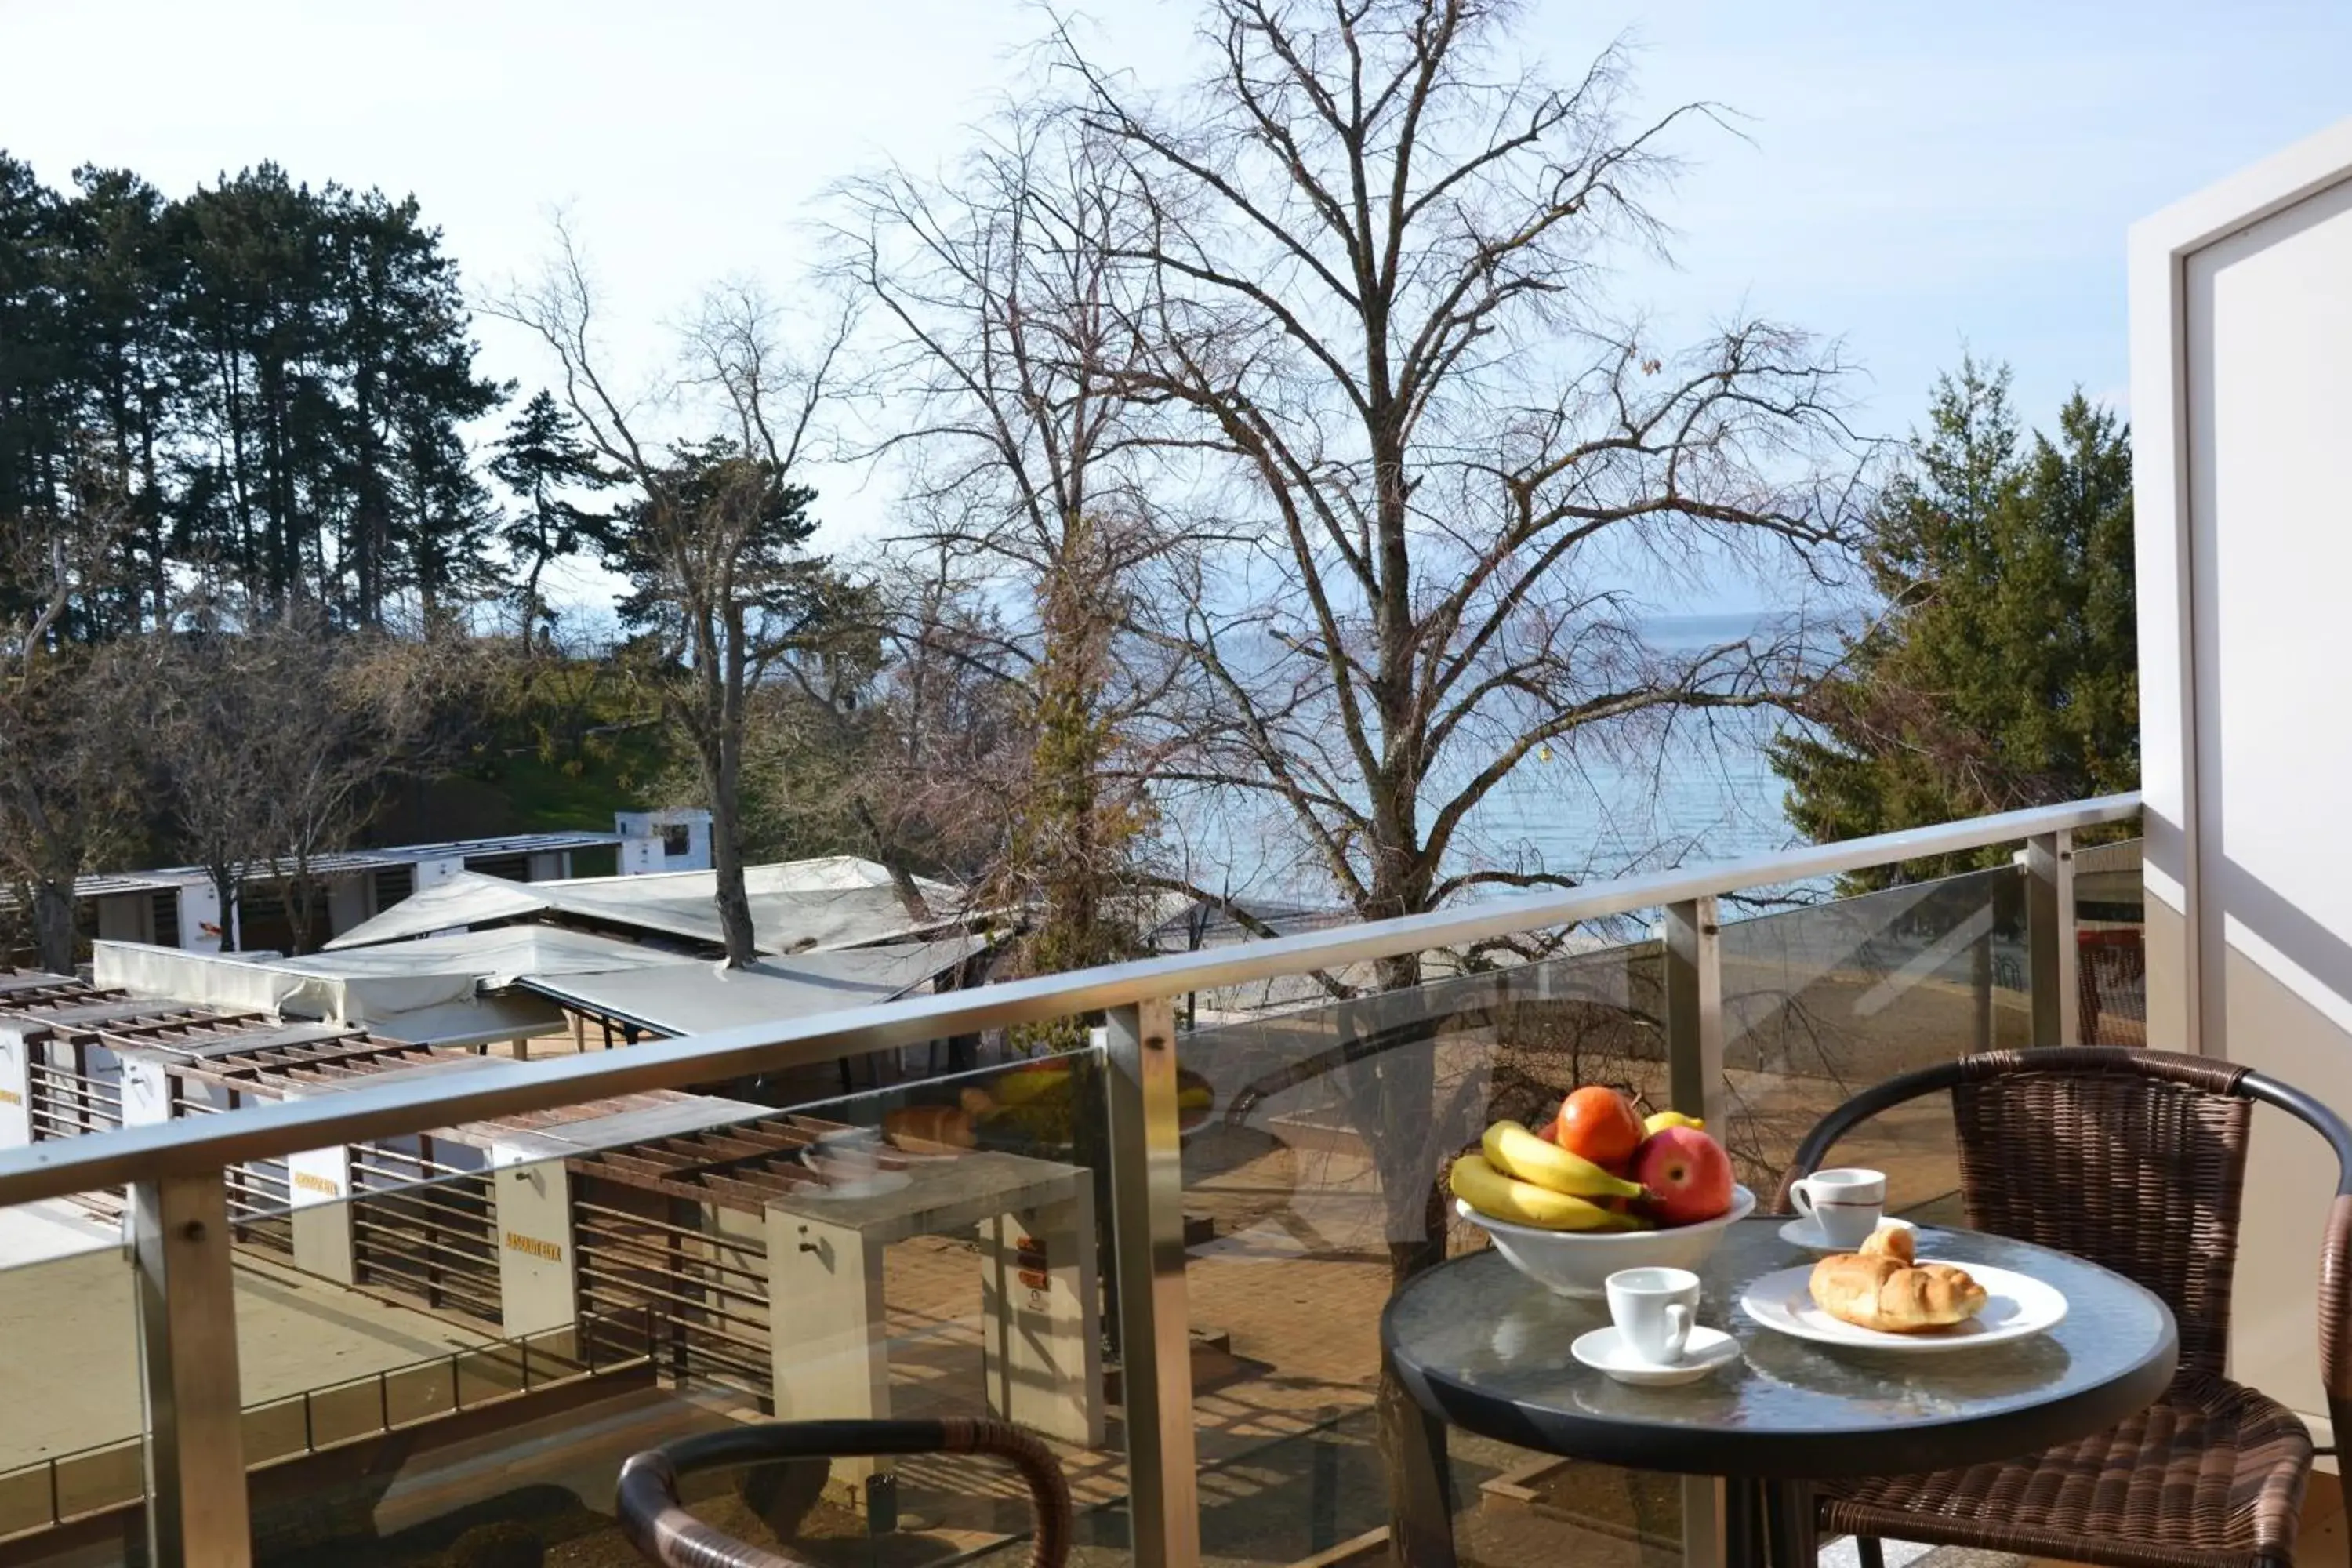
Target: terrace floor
69,1356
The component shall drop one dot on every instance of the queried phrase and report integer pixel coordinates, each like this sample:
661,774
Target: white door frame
2170,676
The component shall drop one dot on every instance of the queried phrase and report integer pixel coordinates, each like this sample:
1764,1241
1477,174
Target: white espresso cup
1653,1310
1844,1204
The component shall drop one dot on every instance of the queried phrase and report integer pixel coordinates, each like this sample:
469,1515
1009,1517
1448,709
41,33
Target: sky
1917,180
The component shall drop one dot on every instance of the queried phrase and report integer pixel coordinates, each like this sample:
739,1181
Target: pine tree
2003,672
722,588
541,459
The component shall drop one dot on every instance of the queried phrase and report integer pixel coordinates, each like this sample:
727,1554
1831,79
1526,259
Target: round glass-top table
1481,1347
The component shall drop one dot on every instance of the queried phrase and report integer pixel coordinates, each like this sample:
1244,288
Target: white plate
1807,1234
2016,1307
1604,1350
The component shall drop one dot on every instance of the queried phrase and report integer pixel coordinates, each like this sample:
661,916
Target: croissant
1881,1287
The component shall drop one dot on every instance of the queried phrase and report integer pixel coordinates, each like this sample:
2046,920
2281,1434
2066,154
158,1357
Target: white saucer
1604,1352
1807,1234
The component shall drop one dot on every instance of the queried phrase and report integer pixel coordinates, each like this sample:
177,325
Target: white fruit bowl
1576,1262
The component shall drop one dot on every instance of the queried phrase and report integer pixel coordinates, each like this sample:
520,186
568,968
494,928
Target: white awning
495,959
431,999
796,906
698,998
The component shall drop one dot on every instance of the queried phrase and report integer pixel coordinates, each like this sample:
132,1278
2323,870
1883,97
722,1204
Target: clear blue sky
1916,177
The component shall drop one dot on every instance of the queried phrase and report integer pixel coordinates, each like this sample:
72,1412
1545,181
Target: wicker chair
664,1532
2136,1160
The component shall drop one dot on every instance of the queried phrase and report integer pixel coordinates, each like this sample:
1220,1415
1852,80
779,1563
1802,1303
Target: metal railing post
197,1511
2053,962
1694,1009
1147,1256
1693,960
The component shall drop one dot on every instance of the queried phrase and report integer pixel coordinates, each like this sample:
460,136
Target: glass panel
1822,1002
2110,934
1314,1181
453,1341
991,1285
1313,1184
72,1460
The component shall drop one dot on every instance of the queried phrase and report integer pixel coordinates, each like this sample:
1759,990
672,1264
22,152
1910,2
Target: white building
178,906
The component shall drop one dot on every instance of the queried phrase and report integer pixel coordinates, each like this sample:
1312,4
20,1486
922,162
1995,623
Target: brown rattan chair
2136,1160
665,1533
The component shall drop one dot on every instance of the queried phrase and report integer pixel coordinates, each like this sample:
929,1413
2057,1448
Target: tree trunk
902,880
301,904
53,925
733,902
224,887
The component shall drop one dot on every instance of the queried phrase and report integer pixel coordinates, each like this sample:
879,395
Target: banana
1665,1118
1515,1152
1497,1196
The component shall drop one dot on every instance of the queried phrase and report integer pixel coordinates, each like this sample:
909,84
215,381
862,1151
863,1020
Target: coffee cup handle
1678,1328
1801,1198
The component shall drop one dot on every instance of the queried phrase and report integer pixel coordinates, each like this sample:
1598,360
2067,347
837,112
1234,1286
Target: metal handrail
185,1148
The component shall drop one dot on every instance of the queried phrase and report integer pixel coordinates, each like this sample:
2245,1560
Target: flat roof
696,998
339,863
831,901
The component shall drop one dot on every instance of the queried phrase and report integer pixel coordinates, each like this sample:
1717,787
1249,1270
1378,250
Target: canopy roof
796,906
436,999
696,998
495,959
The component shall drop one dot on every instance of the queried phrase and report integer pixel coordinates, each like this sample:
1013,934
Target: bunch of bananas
1526,1180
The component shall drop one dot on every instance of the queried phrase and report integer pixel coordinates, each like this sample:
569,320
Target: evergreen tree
111,266
268,382
722,588
542,459
2003,673
34,363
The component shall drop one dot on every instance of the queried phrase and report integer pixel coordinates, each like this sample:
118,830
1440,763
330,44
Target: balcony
409,1306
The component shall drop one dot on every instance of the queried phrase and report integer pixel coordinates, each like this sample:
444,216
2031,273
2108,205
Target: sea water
1609,802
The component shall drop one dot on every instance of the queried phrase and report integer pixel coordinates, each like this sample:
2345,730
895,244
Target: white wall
16,1089
348,901
637,828
199,908
2241,395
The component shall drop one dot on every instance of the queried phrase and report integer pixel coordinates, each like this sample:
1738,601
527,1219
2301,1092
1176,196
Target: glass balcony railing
414,1316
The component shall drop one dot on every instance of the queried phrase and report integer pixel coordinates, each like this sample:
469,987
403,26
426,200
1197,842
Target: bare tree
68,794
1003,367
1379,262
212,694
896,735
374,709
713,539
1378,259
273,741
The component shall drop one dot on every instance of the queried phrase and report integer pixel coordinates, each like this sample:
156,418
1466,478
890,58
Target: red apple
1687,1174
